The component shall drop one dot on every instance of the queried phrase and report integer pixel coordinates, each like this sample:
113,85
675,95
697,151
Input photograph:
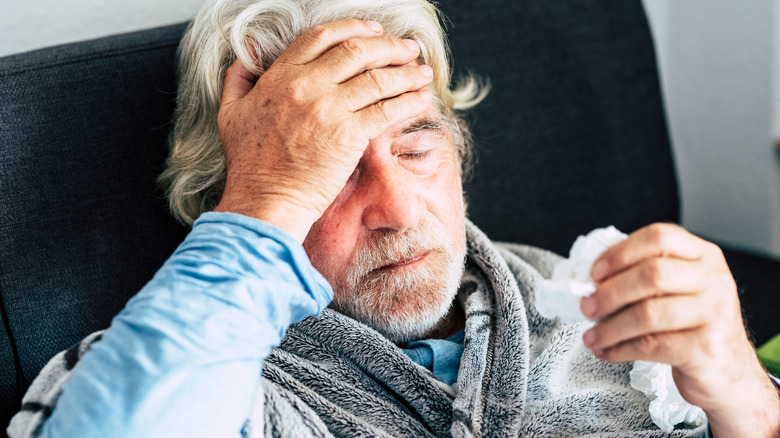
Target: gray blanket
520,374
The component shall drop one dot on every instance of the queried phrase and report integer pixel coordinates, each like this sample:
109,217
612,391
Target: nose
391,198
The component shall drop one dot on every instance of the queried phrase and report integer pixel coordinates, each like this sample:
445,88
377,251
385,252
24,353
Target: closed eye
416,156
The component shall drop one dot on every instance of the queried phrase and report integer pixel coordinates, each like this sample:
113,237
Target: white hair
195,171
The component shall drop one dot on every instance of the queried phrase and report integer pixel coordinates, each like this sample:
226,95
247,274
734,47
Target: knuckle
355,48
354,23
653,273
295,90
715,250
384,111
378,78
647,313
663,235
657,233
665,227
320,33
648,345
419,100
414,102
320,112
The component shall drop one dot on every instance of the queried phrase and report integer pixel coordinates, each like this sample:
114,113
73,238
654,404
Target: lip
407,261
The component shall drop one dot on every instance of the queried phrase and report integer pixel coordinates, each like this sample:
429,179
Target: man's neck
450,324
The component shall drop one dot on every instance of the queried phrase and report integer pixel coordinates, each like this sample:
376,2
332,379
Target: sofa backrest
571,137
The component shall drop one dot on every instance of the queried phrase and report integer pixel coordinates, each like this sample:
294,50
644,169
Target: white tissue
667,407
560,297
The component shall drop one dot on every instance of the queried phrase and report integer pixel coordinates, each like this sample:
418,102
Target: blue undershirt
439,356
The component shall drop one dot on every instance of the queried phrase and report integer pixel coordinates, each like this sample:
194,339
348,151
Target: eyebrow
428,123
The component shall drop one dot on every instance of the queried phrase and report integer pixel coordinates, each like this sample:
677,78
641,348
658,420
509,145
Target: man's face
392,244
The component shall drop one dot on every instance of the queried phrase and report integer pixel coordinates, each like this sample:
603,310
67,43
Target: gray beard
407,303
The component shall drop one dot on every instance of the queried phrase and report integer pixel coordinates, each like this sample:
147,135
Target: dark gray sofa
571,138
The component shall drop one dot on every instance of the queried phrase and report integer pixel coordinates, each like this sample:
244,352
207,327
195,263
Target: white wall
31,24
776,73
774,202
720,69
720,72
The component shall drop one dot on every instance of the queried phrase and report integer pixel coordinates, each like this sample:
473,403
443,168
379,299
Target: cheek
329,246
446,204
456,222
446,196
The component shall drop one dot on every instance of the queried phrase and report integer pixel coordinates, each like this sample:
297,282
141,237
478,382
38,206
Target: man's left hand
664,295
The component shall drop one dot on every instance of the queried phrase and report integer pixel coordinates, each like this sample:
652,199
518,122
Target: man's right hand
292,137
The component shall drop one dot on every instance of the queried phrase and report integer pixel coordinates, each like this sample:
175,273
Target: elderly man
317,144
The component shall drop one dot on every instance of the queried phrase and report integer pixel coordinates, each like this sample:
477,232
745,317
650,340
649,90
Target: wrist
753,411
286,216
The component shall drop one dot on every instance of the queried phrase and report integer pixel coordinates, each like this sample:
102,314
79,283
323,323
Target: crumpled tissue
667,407
560,297
571,278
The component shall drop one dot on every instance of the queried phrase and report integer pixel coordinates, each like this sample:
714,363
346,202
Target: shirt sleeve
183,358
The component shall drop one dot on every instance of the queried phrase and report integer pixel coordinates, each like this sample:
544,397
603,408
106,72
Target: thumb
238,82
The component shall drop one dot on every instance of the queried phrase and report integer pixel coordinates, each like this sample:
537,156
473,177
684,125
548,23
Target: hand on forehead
292,137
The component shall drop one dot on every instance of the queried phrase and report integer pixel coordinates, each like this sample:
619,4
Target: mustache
386,247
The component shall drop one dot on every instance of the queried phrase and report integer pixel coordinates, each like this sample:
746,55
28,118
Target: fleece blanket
520,374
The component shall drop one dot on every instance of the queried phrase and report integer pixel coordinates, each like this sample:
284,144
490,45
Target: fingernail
588,306
599,270
373,25
589,338
412,45
426,70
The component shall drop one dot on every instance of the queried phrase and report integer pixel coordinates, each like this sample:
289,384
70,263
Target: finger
649,278
381,83
376,118
321,38
356,55
657,240
655,315
672,348
238,82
